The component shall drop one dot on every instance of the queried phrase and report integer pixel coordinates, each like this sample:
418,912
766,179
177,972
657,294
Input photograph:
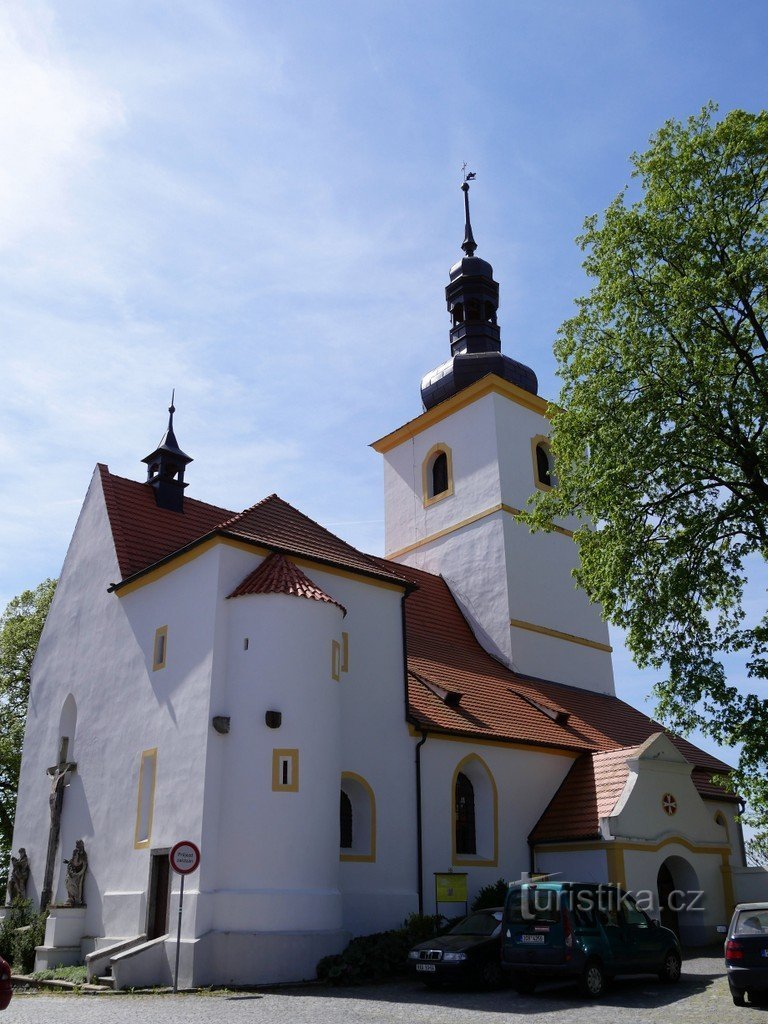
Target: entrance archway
680,907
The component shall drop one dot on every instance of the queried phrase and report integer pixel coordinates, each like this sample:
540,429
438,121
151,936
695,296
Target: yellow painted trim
543,440
147,757
188,556
426,469
367,858
345,652
468,522
465,860
506,744
558,635
335,660
490,384
616,871
161,633
277,786
608,844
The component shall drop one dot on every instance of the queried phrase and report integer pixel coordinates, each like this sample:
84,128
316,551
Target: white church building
334,729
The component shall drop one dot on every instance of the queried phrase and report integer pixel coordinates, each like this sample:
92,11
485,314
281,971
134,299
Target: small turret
165,468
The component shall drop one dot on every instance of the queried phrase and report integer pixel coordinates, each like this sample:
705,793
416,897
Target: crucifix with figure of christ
59,774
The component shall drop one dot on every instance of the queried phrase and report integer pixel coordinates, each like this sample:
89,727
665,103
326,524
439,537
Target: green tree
20,627
660,437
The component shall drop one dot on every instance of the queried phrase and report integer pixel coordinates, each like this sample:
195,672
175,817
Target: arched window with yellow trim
475,813
437,474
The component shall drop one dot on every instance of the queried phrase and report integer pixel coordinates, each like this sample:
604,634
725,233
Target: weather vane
469,244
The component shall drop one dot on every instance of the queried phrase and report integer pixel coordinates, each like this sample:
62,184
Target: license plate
532,938
426,967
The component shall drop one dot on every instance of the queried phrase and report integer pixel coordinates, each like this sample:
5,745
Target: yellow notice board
451,888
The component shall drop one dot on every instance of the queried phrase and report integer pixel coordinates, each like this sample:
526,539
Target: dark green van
585,931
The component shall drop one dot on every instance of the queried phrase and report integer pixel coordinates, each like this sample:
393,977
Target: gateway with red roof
333,728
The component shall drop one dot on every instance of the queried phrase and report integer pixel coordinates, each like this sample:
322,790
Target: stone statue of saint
17,888
77,865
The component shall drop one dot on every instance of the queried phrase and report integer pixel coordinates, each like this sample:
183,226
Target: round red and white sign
184,857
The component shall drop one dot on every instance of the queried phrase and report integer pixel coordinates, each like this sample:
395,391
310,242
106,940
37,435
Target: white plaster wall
471,435
504,571
277,861
573,865
699,926
750,885
99,647
525,779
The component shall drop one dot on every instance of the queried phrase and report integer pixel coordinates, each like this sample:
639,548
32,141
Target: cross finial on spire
469,244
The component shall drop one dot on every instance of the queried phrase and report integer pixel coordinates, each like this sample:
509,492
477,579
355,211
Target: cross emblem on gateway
669,803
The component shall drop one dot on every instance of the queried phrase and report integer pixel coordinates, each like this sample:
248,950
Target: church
338,732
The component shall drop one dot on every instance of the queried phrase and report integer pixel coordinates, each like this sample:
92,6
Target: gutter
419,844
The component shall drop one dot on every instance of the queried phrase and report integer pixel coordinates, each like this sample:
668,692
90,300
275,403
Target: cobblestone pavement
702,997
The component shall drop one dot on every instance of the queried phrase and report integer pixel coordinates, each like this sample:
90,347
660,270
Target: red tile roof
276,575
443,654
145,534
275,524
588,793
496,703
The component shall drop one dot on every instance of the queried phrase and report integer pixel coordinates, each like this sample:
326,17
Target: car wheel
592,980
524,984
671,967
757,996
492,975
738,998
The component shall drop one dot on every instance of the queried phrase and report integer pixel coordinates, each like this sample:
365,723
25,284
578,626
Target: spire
473,300
165,467
469,244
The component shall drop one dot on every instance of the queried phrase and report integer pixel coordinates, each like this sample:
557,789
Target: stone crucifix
59,774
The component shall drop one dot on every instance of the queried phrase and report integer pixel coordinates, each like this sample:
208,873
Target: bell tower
457,476
165,468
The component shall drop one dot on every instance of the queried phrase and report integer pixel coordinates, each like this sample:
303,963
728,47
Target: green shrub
76,973
491,896
22,930
379,956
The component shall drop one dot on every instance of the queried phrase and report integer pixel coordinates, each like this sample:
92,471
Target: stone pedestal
64,931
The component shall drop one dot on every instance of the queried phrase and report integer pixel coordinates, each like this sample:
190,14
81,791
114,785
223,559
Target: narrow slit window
146,798
285,770
336,660
466,841
160,649
345,652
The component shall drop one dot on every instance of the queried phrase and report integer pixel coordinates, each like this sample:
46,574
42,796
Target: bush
379,956
22,930
491,896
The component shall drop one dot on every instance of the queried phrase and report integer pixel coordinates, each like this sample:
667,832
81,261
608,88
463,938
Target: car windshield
478,924
534,903
752,922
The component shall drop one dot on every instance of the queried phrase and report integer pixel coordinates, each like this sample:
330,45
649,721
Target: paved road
702,997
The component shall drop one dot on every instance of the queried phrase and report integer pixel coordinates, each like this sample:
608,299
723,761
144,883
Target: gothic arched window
466,840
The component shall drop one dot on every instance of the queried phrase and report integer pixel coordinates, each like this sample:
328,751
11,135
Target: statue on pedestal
77,865
17,887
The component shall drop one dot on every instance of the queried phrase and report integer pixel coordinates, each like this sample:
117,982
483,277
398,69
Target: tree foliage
661,440
20,627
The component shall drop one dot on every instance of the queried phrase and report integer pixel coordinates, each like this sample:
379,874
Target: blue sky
257,204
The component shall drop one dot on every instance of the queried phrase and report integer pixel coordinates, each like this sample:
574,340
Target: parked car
746,953
468,952
586,931
6,991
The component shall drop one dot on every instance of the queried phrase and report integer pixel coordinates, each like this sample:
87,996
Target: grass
75,973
